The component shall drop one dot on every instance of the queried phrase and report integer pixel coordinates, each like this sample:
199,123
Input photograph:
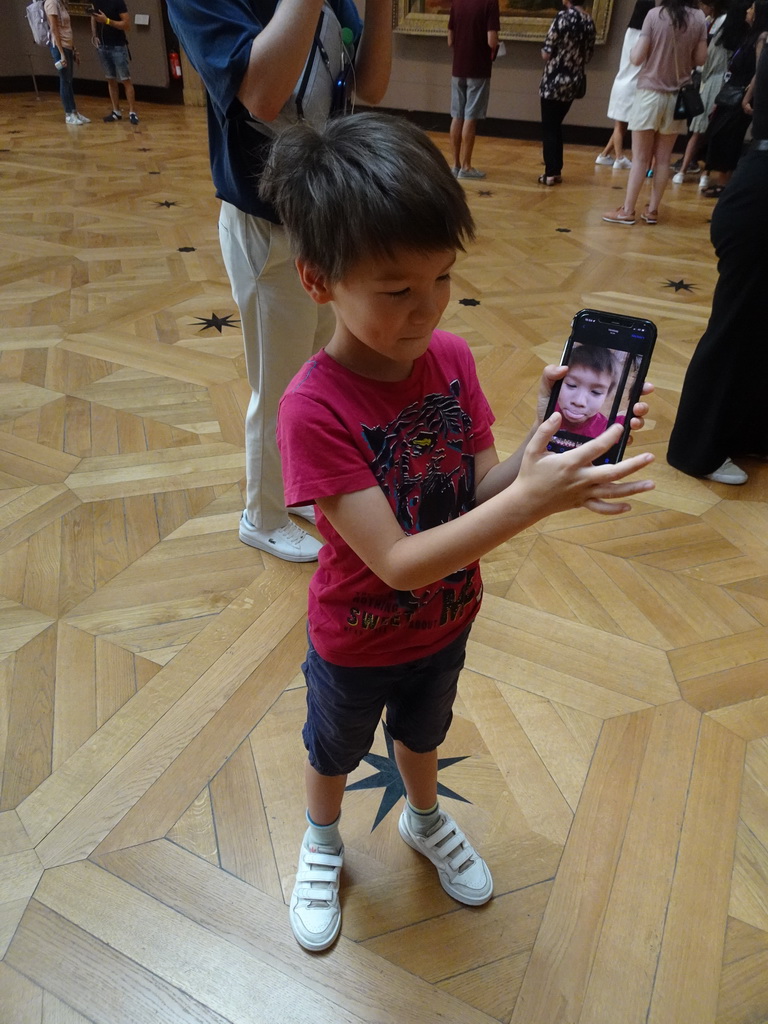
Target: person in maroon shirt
473,34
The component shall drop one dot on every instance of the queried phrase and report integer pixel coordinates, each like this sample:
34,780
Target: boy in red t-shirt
388,431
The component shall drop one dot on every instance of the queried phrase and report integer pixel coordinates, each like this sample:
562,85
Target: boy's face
582,393
386,311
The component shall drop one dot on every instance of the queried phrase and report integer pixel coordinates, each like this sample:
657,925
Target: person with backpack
110,21
264,65
65,56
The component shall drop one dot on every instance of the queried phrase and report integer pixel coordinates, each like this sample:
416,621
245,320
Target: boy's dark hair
594,357
361,187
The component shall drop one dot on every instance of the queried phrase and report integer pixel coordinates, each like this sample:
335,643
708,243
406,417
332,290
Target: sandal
713,191
650,216
554,179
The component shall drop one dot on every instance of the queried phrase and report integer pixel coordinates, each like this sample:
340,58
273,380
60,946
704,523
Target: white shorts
655,111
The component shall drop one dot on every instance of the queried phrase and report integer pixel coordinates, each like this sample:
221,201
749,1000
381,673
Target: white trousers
282,327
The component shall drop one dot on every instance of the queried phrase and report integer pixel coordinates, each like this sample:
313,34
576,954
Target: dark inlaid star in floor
187,248
388,778
484,192
679,286
469,302
217,321
563,231
166,203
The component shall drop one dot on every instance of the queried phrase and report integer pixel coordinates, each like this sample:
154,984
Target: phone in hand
607,355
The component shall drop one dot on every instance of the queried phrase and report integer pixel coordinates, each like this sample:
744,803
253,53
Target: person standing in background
65,56
567,50
251,55
672,42
109,23
473,35
623,92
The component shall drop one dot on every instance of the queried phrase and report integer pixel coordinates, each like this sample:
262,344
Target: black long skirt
723,410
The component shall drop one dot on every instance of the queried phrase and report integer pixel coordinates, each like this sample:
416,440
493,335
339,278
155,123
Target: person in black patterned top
567,50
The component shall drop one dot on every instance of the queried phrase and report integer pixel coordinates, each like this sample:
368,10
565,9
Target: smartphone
607,355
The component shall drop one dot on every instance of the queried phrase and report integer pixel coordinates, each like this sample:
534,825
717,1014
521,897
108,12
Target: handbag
581,88
730,96
689,103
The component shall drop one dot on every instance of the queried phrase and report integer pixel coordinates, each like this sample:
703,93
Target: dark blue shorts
344,705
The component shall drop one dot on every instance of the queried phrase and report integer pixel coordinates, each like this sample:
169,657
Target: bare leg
457,125
114,93
662,153
619,134
324,795
690,150
468,143
130,95
642,152
419,774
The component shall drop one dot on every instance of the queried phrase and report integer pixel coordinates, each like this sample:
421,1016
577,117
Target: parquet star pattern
611,733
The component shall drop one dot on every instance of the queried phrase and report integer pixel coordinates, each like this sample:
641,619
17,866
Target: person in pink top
673,41
388,431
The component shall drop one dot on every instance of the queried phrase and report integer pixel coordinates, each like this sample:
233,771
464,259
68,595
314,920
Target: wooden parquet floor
610,748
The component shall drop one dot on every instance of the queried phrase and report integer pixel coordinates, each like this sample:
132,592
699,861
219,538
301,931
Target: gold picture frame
526,20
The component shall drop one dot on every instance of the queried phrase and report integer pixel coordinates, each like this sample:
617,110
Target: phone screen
607,355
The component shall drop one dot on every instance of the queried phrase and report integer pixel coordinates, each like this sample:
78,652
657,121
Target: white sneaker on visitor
728,473
315,913
622,164
604,161
462,872
288,542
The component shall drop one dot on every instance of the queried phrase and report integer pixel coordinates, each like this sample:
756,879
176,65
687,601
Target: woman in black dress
722,411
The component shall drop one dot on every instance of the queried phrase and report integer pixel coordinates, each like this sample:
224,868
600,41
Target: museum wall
421,76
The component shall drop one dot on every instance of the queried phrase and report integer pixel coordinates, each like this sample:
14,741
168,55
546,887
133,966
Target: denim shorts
344,705
114,61
469,98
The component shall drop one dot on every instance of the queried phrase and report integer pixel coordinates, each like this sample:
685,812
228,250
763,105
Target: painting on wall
520,19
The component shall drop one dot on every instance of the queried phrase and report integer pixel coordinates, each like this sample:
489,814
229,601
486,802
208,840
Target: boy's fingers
544,434
613,471
601,444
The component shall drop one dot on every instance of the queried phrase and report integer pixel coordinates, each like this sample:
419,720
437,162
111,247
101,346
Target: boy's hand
551,374
555,482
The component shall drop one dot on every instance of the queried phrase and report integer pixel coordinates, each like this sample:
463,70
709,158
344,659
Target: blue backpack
38,23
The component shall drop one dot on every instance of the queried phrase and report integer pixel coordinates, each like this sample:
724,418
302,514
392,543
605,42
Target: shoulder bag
689,103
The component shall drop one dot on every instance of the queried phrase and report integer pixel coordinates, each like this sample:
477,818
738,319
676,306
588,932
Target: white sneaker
704,181
463,874
728,473
82,119
72,119
288,542
315,913
678,179
622,164
306,512
604,161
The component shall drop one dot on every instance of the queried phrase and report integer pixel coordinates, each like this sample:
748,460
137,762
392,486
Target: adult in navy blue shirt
265,64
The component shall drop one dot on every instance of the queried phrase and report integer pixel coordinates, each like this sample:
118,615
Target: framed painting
527,20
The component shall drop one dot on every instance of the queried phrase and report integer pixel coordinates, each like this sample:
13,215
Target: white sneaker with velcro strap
315,914
462,872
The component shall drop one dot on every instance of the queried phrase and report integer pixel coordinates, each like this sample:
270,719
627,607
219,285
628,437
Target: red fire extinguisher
175,63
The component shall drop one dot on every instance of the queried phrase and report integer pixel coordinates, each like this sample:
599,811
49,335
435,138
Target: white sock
422,822
325,835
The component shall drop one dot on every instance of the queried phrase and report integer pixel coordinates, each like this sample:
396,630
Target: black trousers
552,116
723,411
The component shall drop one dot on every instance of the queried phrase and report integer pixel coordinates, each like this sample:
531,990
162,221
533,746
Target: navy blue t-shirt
217,39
